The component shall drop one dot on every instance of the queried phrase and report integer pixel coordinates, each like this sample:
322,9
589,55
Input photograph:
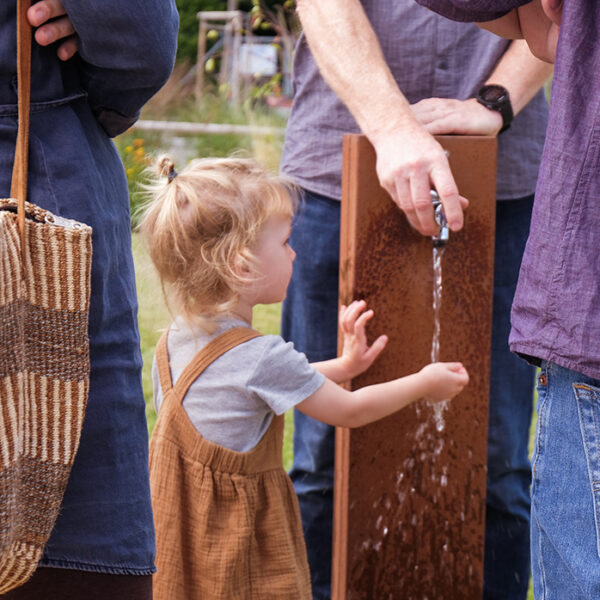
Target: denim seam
540,421
96,568
540,560
541,410
588,458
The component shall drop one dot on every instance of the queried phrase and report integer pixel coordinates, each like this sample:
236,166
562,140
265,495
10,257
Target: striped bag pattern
44,376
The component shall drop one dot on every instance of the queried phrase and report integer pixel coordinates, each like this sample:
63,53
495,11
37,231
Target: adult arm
126,50
348,54
521,73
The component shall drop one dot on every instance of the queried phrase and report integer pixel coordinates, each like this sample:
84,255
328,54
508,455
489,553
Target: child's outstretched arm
336,406
357,356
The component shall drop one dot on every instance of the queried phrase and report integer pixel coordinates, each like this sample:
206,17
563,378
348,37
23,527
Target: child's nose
292,254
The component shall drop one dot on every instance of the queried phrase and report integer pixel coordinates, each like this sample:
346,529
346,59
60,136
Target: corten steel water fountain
409,498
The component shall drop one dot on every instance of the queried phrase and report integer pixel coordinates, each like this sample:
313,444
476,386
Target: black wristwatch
496,97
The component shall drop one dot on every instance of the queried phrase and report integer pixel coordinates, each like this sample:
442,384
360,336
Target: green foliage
139,149
188,22
188,25
134,153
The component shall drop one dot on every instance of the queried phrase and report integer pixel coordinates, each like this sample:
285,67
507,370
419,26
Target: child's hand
444,380
356,355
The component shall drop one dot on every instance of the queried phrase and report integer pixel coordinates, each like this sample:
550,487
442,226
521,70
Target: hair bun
165,166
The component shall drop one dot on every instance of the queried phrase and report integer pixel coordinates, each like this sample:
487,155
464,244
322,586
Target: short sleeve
472,11
282,376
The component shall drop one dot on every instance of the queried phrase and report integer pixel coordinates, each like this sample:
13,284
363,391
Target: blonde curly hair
203,222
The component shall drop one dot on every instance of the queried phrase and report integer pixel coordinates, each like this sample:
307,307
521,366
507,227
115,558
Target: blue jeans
565,503
310,320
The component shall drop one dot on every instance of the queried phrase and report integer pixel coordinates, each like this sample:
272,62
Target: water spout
441,239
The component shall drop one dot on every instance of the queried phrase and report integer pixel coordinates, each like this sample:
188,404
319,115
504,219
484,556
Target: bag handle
18,187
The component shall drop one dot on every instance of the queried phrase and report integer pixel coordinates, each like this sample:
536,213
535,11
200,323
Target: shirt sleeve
472,11
282,376
126,51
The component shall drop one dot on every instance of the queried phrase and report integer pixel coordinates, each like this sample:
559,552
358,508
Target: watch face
492,93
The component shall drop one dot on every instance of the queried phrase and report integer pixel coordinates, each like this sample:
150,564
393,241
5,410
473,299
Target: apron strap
18,188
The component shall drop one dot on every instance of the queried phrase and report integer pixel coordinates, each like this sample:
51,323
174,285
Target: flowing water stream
438,251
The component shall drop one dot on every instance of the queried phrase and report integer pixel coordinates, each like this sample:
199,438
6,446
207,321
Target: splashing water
438,251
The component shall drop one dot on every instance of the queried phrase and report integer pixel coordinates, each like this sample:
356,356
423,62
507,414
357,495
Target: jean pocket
588,405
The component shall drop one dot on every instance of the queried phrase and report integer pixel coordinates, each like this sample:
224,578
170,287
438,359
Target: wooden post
200,60
228,72
410,500
226,55
234,79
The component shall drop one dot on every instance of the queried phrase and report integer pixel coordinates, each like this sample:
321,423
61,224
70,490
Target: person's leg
68,584
565,504
309,319
506,562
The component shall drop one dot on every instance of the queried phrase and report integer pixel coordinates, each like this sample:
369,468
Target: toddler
227,519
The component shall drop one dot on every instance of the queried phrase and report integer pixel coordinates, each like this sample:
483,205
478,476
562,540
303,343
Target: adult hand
53,25
409,163
466,117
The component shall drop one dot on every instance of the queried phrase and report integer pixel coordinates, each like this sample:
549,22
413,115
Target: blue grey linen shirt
556,311
429,57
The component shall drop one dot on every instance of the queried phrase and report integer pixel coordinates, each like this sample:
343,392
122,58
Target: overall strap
162,363
18,188
215,348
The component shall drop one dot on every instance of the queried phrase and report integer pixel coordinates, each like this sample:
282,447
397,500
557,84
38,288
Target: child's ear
241,266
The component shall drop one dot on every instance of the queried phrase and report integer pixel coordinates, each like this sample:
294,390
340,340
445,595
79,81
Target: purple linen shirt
556,311
429,57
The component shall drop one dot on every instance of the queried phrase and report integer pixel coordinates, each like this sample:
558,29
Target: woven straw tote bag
45,266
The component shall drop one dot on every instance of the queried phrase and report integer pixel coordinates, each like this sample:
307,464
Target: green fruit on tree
209,67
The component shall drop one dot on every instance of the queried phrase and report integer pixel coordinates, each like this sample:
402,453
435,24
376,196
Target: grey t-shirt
233,402
429,56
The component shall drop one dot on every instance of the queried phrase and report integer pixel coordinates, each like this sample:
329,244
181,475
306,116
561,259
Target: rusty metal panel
409,499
